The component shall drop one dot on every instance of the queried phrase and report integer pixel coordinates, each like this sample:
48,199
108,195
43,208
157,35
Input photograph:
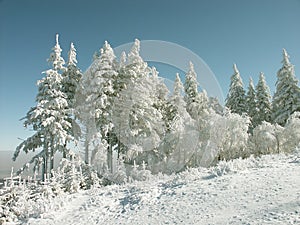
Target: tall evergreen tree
191,91
98,86
71,76
70,83
50,117
286,99
179,123
136,67
177,98
160,97
137,119
196,103
263,97
236,99
251,104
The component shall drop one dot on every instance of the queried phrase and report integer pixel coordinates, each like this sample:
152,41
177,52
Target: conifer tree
176,113
137,120
286,99
196,103
160,97
71,76
70,83
251,104
98,92
177,110
263,97
191,91
177,98
235,100
50,117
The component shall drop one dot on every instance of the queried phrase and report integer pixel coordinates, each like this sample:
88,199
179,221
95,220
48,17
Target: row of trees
53,119
124,114
257,102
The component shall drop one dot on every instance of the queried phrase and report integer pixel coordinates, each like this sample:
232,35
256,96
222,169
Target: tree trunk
65,151
45,165
51,160
109,154
86,151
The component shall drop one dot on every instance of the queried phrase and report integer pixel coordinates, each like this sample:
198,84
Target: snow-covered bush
266,139
117,176
228,136
139,173
270,138
20,199
232,166
74,174
291,133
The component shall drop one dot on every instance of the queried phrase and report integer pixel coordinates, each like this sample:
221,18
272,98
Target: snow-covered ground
264,191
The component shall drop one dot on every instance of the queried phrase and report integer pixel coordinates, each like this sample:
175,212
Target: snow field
262,191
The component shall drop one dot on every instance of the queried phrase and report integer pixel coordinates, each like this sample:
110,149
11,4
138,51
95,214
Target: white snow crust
250,191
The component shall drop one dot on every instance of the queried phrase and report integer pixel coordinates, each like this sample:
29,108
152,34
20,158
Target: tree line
125,116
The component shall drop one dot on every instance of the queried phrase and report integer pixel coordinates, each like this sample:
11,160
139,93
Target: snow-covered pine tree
251,104
71,76
236,99
286,99
196,103
263,98
176,106
138,123
70,84
56,59
191,91
160,99
49,119
122,79
177,101
176,114
180,141
215,105
136,67
98,86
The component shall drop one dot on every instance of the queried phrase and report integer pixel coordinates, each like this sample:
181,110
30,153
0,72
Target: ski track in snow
266,195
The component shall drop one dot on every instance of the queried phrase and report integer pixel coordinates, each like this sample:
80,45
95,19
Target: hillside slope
263,191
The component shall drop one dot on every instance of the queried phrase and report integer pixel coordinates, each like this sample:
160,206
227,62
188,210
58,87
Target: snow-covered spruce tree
174,113
98,92
50,118
161,102
178,145
70,83
196,103
71,76
286,99
263,98
236,99
251,104
137,122
215,105
177,102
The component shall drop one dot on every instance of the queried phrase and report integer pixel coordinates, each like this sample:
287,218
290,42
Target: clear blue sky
248,33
